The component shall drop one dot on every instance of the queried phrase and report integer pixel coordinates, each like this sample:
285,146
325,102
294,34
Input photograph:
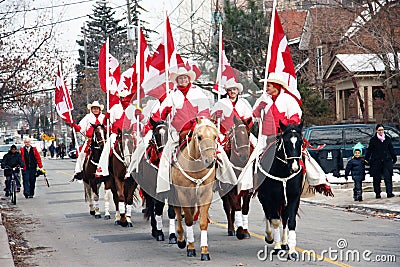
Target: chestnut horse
91,186
123,186
279,193
193,176
236,206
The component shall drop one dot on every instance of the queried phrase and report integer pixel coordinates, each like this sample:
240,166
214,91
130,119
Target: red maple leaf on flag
184,116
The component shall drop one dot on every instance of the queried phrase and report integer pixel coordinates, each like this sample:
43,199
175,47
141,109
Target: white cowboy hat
232,84
182,71
95,104
275,77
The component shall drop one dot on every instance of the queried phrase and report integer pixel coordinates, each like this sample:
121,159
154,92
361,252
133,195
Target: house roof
359,63
293,22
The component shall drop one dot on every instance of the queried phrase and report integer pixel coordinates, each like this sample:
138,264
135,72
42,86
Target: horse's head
126,139
160,133
291,143
240,142
99,135
204,142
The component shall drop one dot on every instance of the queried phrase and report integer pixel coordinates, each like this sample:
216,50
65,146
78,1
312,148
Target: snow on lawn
333,179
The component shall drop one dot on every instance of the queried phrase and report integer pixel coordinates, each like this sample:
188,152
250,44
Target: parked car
343,137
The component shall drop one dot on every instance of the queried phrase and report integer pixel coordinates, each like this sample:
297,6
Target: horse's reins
284,180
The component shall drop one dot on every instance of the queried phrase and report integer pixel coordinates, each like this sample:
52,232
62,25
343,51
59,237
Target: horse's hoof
205,257
275,251
285,247
117,222
107,217
292,256
268,241
172,239
159,235
239,233
231,233
130,224
97,216
123,224
181,244
92,212
191,253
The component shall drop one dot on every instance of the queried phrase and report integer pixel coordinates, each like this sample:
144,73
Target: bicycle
12,175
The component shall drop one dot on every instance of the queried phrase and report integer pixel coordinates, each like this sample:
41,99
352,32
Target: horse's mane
205,122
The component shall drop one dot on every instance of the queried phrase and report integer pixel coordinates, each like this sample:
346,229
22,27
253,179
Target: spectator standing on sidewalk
52,148
31,158
381,157
356,166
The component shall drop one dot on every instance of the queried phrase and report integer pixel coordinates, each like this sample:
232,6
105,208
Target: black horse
146,177
280,168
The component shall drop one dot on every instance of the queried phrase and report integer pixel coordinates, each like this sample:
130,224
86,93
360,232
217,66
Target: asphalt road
64,234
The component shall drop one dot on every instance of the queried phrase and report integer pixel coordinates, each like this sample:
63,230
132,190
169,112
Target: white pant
105,155
81,158
139,152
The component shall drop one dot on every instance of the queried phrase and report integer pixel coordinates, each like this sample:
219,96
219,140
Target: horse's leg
121,202
171,215
227,209
158,211
107,196
269,237
237,209
189,214
88,197
97,213
149,214
285,217
179,229
245,211
205,256
117,219
130,188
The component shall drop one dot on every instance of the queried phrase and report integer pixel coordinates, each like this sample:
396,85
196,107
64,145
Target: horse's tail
86,192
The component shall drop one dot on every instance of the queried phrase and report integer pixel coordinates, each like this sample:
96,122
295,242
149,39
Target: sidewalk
6,259
383,207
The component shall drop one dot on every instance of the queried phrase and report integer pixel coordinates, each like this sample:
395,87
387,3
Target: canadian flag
128,79
113,70
280,59
114,74
225,73
62,99
154,82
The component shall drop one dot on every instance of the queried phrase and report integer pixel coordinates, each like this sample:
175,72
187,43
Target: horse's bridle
103,140
281,146
163,142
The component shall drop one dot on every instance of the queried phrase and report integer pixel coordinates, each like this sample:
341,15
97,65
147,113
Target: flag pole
219,69
107,84
138,84
166,51
69,107
271,31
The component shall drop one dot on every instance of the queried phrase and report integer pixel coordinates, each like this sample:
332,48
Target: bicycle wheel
13,191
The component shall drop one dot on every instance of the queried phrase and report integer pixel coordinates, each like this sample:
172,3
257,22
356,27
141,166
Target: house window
319,62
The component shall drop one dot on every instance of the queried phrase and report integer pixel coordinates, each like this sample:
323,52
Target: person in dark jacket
356,166
31,158
381,157
12,160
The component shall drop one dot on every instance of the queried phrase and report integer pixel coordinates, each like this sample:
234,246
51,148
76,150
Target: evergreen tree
316,110
245,37
101,24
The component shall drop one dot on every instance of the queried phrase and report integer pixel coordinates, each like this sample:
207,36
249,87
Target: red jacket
35,154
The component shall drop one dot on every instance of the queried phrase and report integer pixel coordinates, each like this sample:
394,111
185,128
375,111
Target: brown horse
193,176
123,186
236,206
91,186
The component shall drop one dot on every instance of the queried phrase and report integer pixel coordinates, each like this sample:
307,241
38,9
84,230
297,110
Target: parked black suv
343,137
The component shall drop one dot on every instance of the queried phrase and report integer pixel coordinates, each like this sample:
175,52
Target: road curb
6,259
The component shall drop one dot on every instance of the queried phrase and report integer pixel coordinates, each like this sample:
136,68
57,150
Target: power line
47,7
61,21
